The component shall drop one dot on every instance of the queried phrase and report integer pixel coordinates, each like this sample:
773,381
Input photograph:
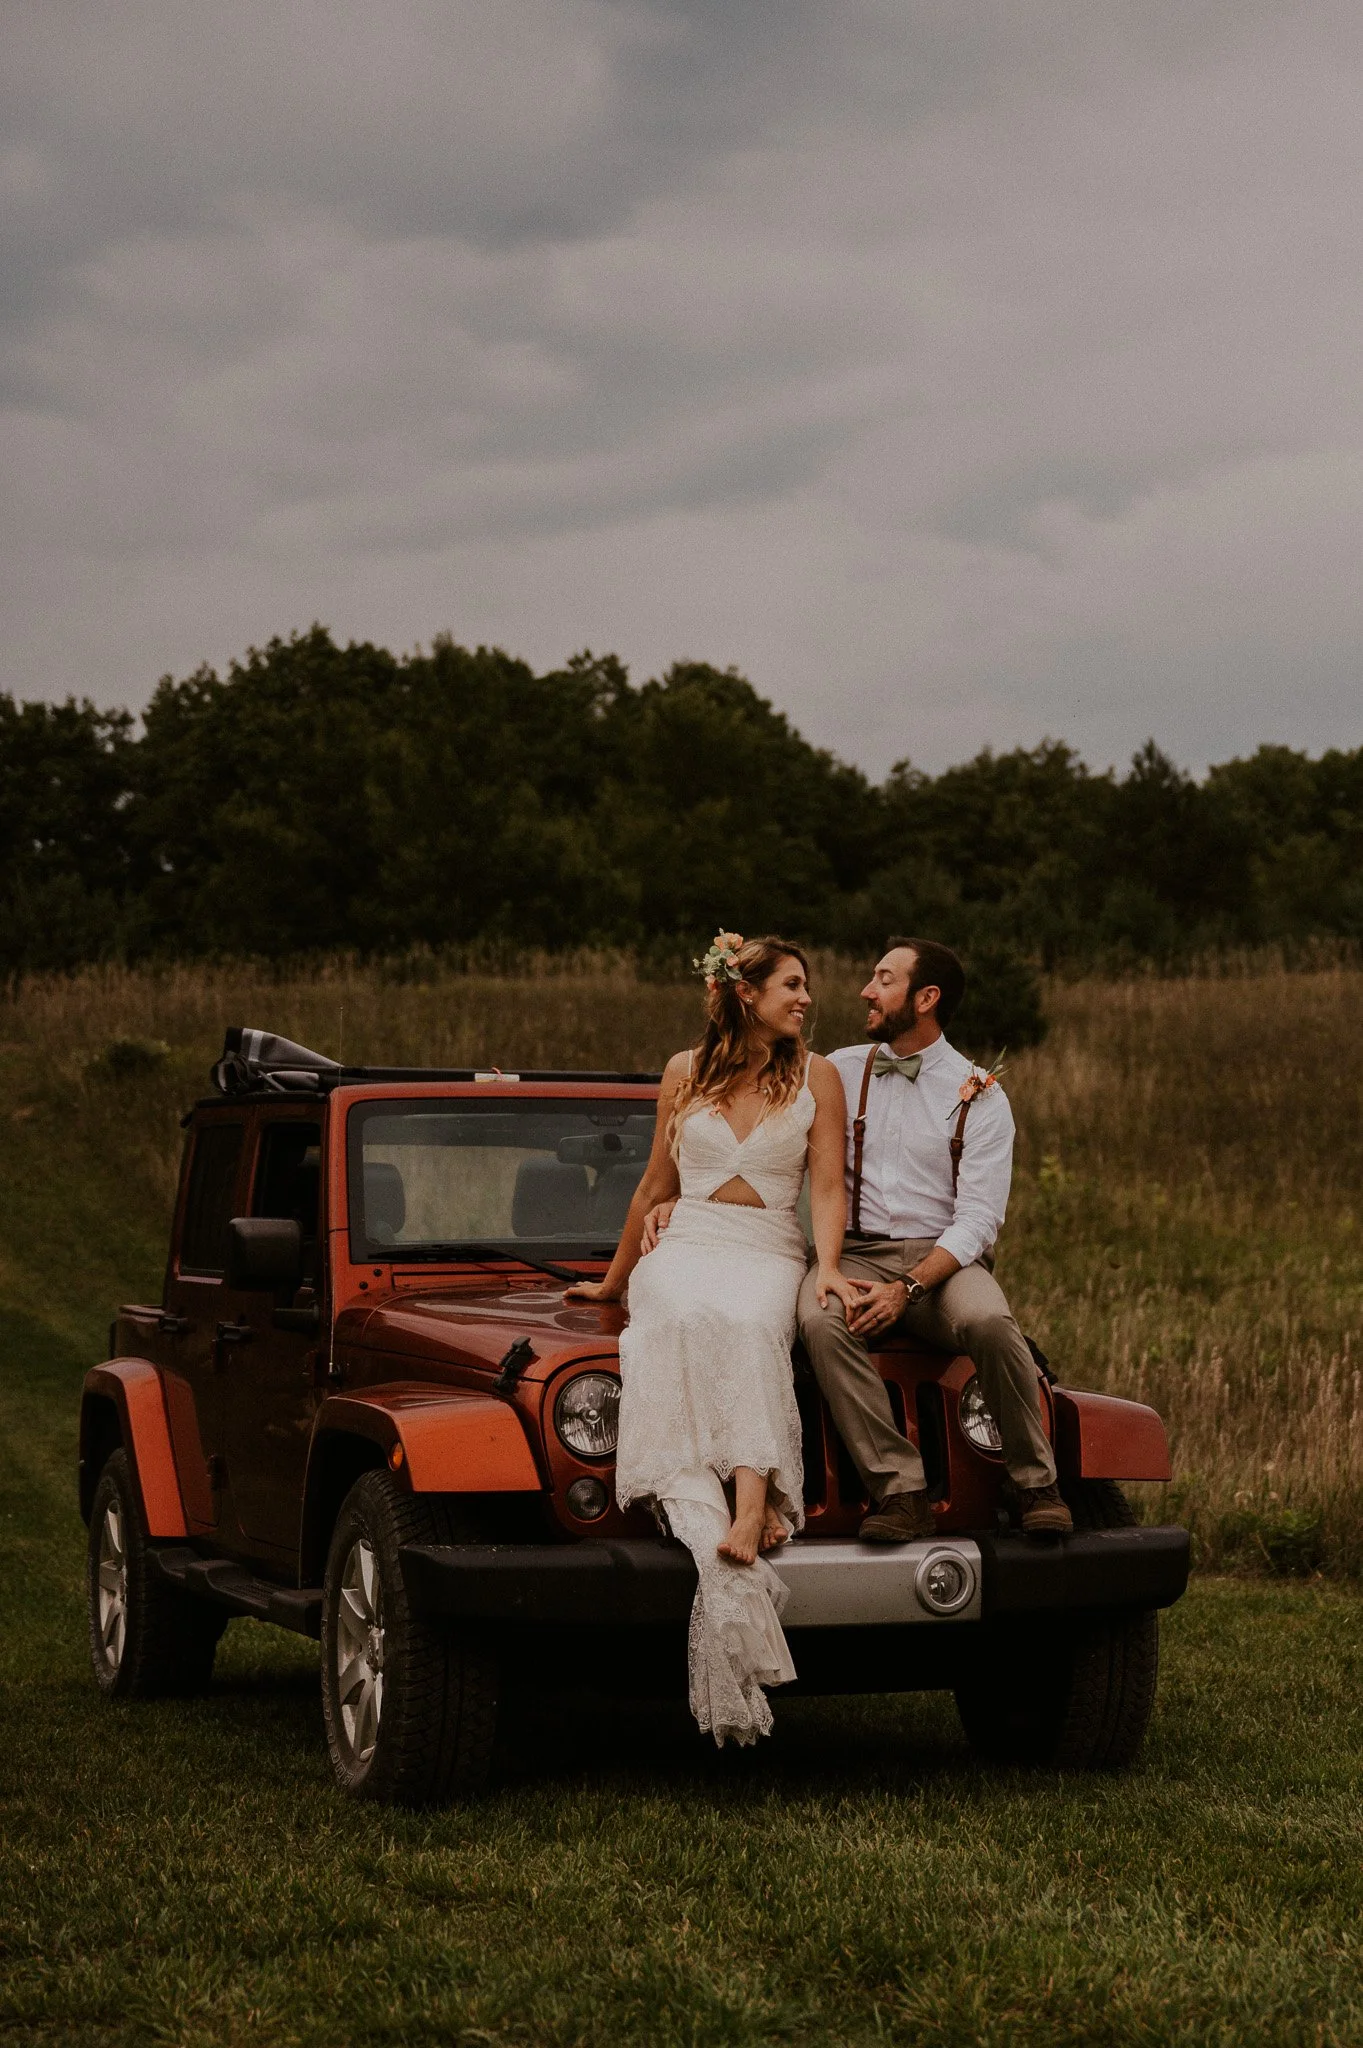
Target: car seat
385,1202
612,1195
551,1200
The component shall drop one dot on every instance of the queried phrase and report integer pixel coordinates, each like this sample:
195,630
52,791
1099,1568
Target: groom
928,1184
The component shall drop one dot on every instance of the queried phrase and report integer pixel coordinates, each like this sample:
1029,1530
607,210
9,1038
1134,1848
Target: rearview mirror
263,1253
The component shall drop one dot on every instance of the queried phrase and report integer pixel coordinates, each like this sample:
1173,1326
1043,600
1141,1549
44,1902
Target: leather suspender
859,1139
956,1148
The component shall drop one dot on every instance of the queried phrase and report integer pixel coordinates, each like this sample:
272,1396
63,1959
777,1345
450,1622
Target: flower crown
722,958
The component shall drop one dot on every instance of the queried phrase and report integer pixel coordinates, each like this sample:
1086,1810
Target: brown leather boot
901,1518
1043,1512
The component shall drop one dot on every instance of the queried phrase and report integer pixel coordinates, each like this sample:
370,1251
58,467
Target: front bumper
831,1583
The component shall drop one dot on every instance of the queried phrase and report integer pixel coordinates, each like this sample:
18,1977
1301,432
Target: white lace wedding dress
706,1386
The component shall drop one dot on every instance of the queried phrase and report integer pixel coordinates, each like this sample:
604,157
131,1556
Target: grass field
1186,1225
184,1872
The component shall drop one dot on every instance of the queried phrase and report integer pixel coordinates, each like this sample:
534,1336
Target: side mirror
264,1253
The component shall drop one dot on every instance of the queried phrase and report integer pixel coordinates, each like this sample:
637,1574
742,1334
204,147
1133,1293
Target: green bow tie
890,1063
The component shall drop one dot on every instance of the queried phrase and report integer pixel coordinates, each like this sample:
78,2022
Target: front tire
410,1706
1077,1695
147,1639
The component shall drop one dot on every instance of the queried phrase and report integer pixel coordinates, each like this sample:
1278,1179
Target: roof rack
261,1063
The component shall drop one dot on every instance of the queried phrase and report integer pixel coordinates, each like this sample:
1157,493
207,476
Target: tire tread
1094,1712
439,1716
172,1637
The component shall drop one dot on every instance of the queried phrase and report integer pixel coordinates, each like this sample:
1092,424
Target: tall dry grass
1187,1230
1186,1217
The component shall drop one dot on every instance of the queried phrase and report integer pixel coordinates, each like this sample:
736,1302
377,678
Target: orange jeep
362,1410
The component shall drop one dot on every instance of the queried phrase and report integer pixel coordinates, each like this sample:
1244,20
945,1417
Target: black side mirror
264,1253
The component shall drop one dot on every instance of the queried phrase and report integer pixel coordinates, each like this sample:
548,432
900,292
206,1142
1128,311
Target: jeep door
212,1189
270,1388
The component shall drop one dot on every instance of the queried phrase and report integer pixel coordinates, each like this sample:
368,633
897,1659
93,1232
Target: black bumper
1099,1568
641,1582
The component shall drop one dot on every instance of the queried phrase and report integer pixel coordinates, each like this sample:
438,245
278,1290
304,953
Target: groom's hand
655,1223
882,1304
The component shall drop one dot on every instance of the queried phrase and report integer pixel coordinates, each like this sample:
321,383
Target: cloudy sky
962,371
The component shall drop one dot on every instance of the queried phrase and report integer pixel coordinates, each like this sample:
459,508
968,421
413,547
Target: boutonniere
978,1081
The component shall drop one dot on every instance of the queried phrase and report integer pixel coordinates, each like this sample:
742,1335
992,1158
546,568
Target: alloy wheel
113,1586
359,1649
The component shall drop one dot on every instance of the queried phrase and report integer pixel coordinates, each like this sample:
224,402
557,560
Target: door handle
234,1333
173,1326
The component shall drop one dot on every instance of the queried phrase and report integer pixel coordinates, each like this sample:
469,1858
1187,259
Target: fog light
588,1498
978,1424
944,1582
587,1414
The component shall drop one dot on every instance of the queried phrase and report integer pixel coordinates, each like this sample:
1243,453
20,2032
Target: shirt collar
938,1051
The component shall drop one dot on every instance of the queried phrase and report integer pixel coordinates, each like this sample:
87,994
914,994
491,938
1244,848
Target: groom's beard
890,1024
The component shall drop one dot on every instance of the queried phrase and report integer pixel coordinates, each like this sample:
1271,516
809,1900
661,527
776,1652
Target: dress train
736,1644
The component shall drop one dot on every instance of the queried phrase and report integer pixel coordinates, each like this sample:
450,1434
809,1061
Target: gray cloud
964,375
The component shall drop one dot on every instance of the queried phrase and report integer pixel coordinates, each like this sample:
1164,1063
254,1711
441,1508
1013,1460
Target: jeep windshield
432,1180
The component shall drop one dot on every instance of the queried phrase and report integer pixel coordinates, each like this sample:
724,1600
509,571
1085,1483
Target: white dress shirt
906,1157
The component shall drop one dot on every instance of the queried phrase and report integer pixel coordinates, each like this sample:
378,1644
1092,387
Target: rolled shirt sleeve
986,1176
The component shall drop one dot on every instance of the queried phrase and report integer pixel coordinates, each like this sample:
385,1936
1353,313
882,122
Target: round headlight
587,1414
978,1424
944,1581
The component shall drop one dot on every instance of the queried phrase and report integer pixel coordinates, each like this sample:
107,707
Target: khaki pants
969,1313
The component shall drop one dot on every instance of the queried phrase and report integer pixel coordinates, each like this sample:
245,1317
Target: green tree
65,867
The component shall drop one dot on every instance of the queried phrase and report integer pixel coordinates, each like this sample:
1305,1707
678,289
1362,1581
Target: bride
709,1430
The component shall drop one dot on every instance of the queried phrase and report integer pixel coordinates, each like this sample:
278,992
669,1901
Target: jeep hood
441,1328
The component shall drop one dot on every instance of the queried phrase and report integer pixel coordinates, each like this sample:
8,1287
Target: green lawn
184,1872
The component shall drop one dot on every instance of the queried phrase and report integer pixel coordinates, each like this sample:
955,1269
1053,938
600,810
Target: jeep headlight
978,1424
587,1414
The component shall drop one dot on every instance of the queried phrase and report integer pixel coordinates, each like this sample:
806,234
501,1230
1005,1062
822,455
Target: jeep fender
128,1393
1099,1437
451,1441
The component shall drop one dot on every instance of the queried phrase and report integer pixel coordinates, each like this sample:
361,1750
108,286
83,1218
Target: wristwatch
914,1291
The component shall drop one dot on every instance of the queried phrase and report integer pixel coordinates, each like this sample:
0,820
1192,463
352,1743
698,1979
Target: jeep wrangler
363,1410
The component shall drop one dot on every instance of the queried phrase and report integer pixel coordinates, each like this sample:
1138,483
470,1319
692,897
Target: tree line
320,797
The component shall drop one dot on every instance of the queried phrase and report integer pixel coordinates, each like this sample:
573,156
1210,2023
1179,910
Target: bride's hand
590,1290
832,1281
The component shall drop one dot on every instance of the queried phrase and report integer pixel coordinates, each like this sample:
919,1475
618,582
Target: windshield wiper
489,1251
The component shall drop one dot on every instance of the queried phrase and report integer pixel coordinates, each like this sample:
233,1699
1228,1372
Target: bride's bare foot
744,1539
774,1530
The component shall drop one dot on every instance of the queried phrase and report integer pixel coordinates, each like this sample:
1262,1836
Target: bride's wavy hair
727,1039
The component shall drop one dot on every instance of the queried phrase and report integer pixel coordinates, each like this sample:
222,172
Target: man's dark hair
934,966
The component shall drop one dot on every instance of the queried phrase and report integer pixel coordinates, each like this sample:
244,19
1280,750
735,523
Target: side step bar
298,1608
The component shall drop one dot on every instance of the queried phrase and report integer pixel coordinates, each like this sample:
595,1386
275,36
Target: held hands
831,1282
879,1304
